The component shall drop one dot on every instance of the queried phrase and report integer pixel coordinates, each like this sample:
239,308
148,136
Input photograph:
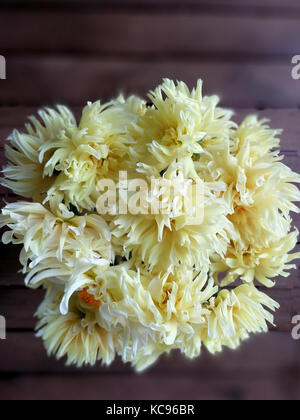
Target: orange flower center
88,298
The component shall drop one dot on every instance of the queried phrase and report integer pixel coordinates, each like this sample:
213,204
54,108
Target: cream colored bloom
259,191
127,312
233,315
139,317
180,123
58,162
257,262
163,241
260,194
144,309
98,148
68,252
24,174
263,140
76,334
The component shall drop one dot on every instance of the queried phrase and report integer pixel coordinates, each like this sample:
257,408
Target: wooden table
69,51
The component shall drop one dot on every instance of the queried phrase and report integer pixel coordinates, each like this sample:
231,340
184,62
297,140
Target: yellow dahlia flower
139,316
76,334
127,312
142,309
261,137
24,174
99,148
163,241
180,123
252,261
259,191
260,195
69,252
233,315
57,161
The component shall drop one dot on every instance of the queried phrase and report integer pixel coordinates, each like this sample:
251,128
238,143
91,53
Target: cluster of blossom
138,285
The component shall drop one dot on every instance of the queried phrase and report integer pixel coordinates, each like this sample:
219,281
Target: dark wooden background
72,51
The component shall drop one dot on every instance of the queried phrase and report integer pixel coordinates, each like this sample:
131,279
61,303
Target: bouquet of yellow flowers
149,226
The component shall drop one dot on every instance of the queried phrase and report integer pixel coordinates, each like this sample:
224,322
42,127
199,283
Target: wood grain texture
145,34
47,80
10,266
221,5
275,385
275,349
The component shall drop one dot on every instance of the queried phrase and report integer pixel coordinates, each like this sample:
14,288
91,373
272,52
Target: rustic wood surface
71,51
172,5
73,79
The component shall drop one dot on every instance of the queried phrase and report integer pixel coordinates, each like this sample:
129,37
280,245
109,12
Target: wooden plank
286,119
18,305
153,4
289,301
10,265
24,353
48,80
142,34
130,386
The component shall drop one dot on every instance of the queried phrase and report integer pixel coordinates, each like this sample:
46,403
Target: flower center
88,298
